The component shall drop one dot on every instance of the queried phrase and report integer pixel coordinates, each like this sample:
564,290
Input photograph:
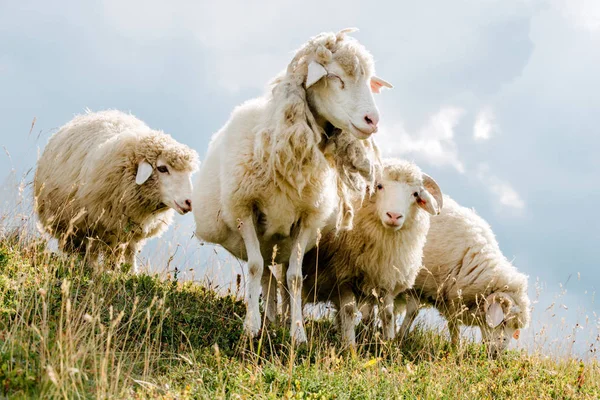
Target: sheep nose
372,119
188,203
394,216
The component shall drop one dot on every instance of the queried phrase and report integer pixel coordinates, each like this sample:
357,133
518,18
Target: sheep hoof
299,334
252,324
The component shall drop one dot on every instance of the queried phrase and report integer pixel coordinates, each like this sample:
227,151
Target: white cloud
507,195
433,143
503,192
485,125
584,14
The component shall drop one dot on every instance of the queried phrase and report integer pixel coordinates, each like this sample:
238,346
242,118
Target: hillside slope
68,333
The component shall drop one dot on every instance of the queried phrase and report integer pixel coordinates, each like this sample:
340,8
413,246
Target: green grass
66,333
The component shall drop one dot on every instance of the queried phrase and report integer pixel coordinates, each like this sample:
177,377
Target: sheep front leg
294,281
454,332
129,256
255,272
387,317
347,311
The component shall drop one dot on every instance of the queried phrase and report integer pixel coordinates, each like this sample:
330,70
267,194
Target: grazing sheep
468,279
267,181
382,255
106,182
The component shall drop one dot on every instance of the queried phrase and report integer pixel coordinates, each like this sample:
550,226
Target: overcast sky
498,100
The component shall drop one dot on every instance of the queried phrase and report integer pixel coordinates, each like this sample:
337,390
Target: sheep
468,279
266,180
382,255
106,182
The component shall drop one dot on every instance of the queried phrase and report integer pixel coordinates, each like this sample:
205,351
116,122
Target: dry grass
68,333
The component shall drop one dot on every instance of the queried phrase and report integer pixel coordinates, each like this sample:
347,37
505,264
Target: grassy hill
69,333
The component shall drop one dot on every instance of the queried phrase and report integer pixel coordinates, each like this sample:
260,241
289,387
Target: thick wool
291,144
370,260
271,172
85,181
463,265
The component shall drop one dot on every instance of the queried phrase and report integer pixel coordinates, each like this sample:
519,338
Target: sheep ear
427,202
378,83
143,173
494,315
315,72
430,197
434,190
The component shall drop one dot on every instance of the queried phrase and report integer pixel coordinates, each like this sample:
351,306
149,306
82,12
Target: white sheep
382,254
266,180
106,182
468,279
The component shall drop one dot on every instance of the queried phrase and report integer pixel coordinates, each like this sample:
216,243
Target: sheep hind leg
412,309
285,295
269,291
252,321
91,255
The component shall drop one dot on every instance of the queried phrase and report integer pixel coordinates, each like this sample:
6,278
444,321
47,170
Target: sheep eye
162,169
379,186
335,76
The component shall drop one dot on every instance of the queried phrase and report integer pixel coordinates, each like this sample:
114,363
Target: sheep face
501,323
344,101
395,202
497,339
399,192
175,186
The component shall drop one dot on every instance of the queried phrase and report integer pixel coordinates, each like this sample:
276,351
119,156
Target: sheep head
400,190
164,169
338,76
500,323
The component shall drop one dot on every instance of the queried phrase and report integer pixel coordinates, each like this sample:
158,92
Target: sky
498,100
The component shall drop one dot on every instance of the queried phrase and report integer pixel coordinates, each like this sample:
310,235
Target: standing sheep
266,181
382,255
468,279
106,182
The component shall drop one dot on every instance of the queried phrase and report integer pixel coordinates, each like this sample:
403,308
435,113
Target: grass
68,333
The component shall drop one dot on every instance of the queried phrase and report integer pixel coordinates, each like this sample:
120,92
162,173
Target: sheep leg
454,332
255,271
294,281
387,317
92,255
285,294
347,310
367,311
269,290
130,254
412,309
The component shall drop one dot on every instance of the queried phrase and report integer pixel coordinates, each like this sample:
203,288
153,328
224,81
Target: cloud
584,14
504,193
433,143
485,125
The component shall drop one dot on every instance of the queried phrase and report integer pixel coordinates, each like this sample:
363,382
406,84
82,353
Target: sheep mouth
362,133
392,225
180,209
